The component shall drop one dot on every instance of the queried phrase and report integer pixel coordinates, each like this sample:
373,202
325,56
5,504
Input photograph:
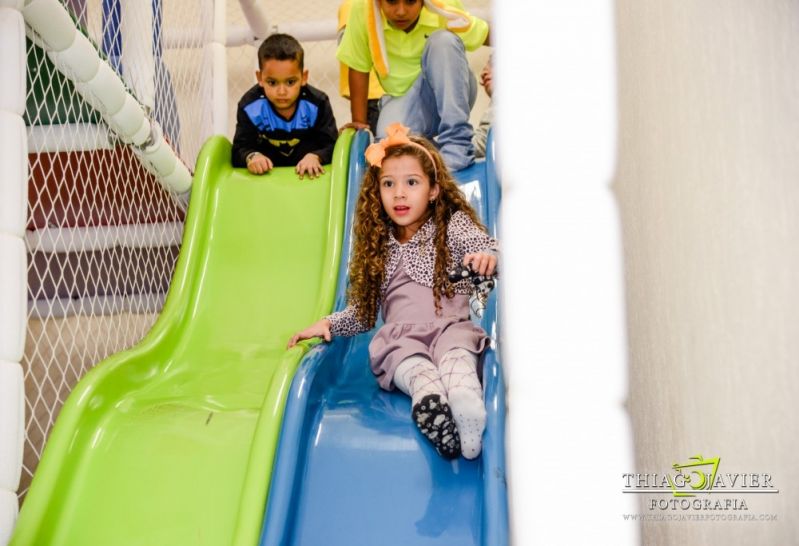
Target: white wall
706,179
708,186
563,331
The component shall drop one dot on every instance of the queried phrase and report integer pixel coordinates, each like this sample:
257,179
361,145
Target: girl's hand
320,328
482,263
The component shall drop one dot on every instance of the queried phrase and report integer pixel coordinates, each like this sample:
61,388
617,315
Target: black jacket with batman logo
259,128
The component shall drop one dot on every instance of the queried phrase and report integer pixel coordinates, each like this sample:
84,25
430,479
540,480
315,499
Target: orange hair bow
396,135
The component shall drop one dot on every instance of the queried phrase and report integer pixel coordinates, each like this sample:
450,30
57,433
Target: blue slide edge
322,363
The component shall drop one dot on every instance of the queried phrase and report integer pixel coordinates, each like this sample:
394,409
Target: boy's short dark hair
280,47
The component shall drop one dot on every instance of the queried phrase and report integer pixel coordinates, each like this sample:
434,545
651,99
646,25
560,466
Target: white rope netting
320,56
103,235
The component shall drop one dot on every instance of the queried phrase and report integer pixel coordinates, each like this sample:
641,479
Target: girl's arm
342,323
346,323
471,246
320,328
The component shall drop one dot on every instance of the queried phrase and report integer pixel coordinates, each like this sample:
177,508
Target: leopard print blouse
463,237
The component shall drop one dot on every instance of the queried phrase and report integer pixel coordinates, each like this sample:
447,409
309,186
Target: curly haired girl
413,224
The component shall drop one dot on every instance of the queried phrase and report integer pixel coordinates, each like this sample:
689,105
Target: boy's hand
487,79
354,125
320,328
258,163
309,165
482,263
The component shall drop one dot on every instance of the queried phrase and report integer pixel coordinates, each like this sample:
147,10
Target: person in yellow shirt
418,51
375,90
480,139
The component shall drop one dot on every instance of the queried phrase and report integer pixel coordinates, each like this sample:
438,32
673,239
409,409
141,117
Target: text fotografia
698,485
697,504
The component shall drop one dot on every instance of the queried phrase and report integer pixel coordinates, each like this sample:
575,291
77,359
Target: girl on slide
412,225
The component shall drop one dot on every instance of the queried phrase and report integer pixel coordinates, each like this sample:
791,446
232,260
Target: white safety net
103,235
320,56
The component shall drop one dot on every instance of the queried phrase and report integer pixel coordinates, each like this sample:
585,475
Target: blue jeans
439,101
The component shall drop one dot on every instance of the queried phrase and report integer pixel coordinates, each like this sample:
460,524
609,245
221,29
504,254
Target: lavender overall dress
411,327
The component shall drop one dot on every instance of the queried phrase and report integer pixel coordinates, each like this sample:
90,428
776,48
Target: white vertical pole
217,55
138,60
13,262
564,341
101,87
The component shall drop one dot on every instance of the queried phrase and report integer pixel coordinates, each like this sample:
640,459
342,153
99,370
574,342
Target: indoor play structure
206,431
182,428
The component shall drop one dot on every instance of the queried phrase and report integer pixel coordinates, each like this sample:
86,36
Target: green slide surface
172,441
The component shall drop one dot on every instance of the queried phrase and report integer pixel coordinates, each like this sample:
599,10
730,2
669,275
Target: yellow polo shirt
375,91
403,49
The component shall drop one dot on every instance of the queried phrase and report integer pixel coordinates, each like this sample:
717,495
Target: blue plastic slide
351,467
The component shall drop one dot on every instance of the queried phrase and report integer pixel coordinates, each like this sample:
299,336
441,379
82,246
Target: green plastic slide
172,442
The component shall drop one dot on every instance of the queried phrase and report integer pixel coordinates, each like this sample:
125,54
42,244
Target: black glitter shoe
434,419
